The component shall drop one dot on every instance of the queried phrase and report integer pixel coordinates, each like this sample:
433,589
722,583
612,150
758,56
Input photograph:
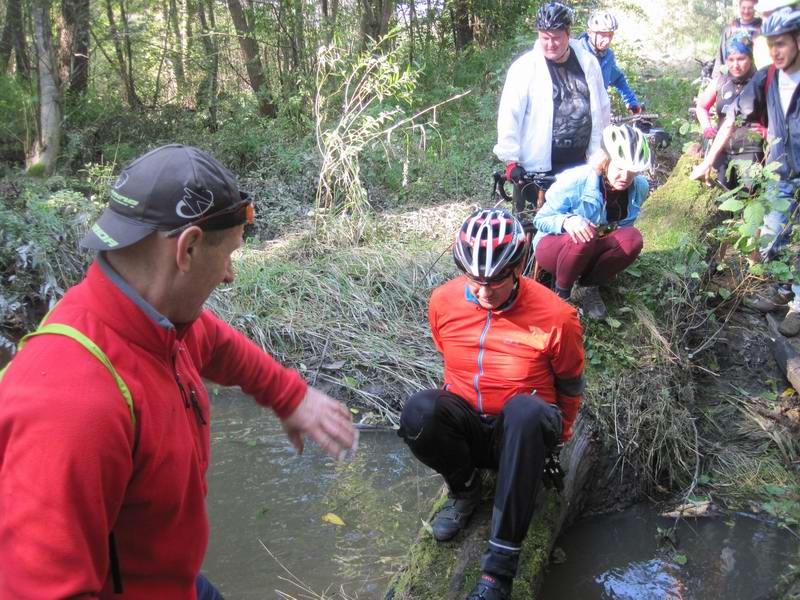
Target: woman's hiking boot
768,300
455,512
592,304
490,587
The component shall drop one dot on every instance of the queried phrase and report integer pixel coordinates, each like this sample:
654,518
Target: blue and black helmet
785,20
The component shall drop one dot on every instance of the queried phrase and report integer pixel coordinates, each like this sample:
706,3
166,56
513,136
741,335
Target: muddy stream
260,491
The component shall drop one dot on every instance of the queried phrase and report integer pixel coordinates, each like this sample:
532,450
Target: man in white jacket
554,104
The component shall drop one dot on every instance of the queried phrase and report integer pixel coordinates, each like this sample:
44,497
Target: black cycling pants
446,433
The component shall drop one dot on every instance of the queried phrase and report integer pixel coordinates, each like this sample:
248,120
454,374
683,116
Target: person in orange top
513,378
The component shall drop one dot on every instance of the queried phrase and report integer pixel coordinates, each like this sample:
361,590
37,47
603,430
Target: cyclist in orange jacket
513,379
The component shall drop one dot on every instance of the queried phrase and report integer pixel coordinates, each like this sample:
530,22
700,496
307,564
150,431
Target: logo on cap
121,180
193,205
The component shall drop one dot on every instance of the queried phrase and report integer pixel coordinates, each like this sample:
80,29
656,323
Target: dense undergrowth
349,311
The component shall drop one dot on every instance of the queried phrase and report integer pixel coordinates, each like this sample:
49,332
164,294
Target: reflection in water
261,491
617,557
645,580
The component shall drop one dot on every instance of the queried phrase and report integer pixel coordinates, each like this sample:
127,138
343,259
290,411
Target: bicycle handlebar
640,117
540,180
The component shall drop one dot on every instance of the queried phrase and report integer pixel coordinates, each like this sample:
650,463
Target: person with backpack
104,414
554,103
513,379
746,22
746,143
597,40
771,98
585,232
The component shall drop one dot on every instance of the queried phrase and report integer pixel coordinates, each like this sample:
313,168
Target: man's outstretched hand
325,421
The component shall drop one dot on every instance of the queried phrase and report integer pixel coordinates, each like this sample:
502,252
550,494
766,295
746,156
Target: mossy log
449,570
675,214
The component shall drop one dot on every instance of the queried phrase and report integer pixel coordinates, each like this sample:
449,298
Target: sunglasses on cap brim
241,213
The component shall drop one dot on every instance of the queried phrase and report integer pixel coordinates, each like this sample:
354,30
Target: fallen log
449,570
785,355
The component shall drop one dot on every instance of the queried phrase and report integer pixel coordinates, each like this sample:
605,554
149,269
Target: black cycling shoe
455,513
490,587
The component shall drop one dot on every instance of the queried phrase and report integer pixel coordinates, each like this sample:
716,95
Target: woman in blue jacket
585,231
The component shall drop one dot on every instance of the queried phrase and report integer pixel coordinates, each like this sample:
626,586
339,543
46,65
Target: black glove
553,475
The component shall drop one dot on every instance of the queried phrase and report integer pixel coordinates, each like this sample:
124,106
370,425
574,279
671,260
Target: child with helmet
585,233
597,40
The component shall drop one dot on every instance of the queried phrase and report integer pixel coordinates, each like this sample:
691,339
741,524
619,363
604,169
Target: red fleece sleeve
229,358
66,439
567,363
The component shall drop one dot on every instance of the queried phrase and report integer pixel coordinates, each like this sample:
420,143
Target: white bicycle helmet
602,21
489,242
627,147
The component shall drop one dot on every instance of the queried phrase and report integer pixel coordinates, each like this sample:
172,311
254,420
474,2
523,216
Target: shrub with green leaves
39,254
747,204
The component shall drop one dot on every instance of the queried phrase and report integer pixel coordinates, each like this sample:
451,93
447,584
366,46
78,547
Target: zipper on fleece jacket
475,382
190,399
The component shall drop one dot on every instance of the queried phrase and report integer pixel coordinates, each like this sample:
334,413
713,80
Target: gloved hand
634,109
579,228
553,474
759,129
710,133
514,172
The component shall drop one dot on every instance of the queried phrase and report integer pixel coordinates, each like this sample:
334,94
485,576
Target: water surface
618,557
261,491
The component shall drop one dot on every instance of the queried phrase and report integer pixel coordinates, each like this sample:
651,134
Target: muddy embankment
656,417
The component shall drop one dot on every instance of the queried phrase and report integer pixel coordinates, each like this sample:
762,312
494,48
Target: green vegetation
334,279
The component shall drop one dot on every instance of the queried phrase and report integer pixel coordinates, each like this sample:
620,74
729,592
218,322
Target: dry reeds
353,318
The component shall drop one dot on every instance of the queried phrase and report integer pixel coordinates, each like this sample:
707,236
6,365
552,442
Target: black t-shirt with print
572,115
616,202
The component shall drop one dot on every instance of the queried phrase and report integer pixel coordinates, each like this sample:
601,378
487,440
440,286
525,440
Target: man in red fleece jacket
104,418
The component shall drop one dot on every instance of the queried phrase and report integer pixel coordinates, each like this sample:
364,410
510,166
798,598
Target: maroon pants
593,263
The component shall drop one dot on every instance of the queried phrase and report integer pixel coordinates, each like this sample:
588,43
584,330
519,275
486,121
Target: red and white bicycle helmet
602,21
489,243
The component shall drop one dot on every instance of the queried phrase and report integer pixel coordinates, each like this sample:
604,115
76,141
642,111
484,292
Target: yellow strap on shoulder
71,332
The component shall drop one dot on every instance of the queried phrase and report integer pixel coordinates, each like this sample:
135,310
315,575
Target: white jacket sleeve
510,114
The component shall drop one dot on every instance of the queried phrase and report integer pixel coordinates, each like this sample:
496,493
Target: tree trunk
74,47
449,570
252,60
375,17
177,52
123,68
44,151
462,27
13,40
209,88
298,39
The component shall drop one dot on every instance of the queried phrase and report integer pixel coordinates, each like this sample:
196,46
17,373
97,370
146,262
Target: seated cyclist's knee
418,416
523,410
